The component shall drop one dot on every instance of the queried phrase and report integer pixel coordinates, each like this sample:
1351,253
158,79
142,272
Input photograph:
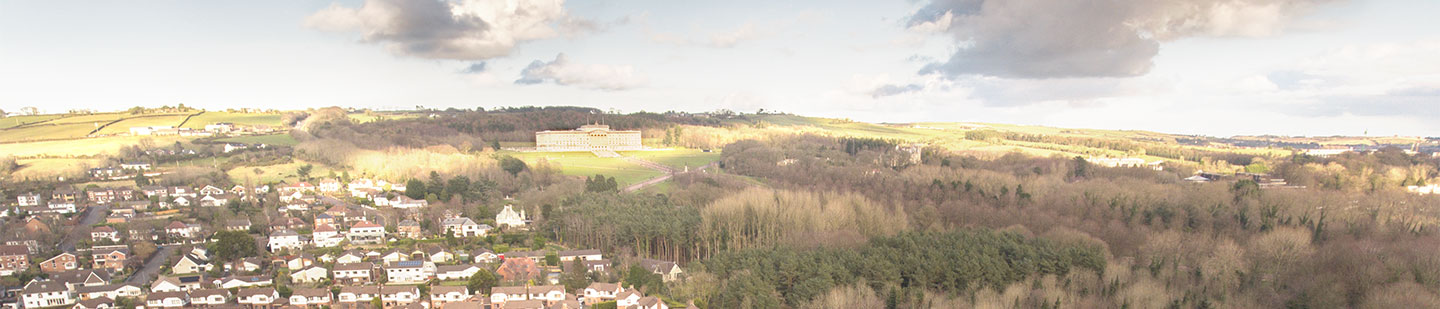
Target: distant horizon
1206,67
886,122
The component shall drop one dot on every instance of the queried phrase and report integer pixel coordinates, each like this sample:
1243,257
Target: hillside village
320,251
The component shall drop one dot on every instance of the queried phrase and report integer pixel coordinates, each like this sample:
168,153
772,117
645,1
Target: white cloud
562,71
723,39
463,30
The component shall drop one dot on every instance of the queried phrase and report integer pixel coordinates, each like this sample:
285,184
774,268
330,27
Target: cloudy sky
1214,67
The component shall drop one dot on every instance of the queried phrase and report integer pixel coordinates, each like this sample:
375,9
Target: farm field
102,118
587,164
199,121
676,158
15,121
274,173
48,167
124,126
46,132
273,139
83,147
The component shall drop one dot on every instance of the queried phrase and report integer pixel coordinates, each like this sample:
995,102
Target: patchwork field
199,121
124,126
273,139
274,173
587,164
15,121
82,147
46,132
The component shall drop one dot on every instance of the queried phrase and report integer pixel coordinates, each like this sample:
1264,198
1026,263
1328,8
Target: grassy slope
46,132
83,147
587,164
677,158
124,125
199,122
273,139
274,173
10,122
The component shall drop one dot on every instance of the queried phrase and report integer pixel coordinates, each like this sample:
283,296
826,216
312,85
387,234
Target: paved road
91,215
152,266
668,173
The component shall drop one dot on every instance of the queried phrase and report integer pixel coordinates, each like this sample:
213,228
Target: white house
358,294
258,297
209,297
464,227
549,293
353,273
366,233
284,239
310,297
406,272
439,295
28,199
399,295
504,294
456,272
167,300
40,294
405,202
601,292
509,218
244,282
310,274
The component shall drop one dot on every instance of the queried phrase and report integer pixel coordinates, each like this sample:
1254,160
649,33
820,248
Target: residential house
184,201
438,254
239,190
405,202
95,303
508,217
324,219
104,172
281,240
409,229
507,294
601,292
215,200
238,225
526,304
627,299
59,207
364,233
257,297
183,191
244,281
518,269
287,222
408,272
457,272
175,299
329,185
101,195
64,194
394,255
251,264
300,260
83,277
535,256
104,233
41,294
668,271
598,266
651,302
177,283
353,273
34,225
209,297
393,295
111,291
28,199
300,187
483,255
211,190
369,194
547,293
358,294
152,191
110,257
182,230
310,274
443,294
191,264
135,166
587,255
310,298
61,262
352,256
464,227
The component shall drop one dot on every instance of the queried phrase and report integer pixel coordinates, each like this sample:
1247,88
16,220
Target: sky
1209,67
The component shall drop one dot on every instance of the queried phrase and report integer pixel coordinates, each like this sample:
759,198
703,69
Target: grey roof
446,289
202,293
312,292
354,266
44,287
247,292
164,295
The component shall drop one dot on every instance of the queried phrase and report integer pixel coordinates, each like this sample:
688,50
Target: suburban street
152,266
91,215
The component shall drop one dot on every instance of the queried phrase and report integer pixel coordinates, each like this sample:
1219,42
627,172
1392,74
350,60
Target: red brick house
112,258
63,262
14,259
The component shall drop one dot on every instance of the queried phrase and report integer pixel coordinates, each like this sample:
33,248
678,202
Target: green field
124,126
11,122
46,132
102,118
676,158
587,164
273,139
207,118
